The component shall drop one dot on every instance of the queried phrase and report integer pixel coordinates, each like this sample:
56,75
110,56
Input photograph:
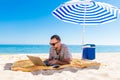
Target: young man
59,53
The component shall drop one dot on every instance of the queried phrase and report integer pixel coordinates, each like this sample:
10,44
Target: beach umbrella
86,12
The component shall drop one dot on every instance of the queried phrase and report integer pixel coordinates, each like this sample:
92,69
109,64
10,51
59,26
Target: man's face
55,43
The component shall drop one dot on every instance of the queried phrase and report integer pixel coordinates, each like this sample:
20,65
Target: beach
109,70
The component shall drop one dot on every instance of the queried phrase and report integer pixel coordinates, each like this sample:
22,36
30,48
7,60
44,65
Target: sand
109,70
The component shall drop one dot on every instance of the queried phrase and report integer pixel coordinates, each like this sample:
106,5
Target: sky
32,22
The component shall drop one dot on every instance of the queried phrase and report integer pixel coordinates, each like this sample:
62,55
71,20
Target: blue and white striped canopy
86,12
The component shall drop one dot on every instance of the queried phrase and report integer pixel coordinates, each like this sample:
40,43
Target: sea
40,49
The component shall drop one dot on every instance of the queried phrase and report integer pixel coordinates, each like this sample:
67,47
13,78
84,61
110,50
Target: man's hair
56,37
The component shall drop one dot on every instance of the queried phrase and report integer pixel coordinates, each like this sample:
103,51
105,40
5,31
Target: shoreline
48,53
109,71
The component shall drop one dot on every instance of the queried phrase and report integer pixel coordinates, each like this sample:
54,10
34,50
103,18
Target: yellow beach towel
28,66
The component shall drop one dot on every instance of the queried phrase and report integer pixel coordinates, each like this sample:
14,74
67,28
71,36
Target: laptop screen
36,60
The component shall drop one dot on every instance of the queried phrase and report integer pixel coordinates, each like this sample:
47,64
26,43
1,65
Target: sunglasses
53,44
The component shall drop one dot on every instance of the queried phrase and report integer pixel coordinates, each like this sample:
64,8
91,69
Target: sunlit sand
109,70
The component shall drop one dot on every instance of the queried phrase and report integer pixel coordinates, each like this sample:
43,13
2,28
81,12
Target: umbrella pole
83,29
83,33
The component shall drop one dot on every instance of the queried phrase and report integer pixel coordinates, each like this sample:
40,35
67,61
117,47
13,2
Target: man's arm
66,61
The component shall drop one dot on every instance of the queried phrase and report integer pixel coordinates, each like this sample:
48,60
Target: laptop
36,60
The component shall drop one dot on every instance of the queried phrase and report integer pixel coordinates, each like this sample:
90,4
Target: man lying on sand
59,53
